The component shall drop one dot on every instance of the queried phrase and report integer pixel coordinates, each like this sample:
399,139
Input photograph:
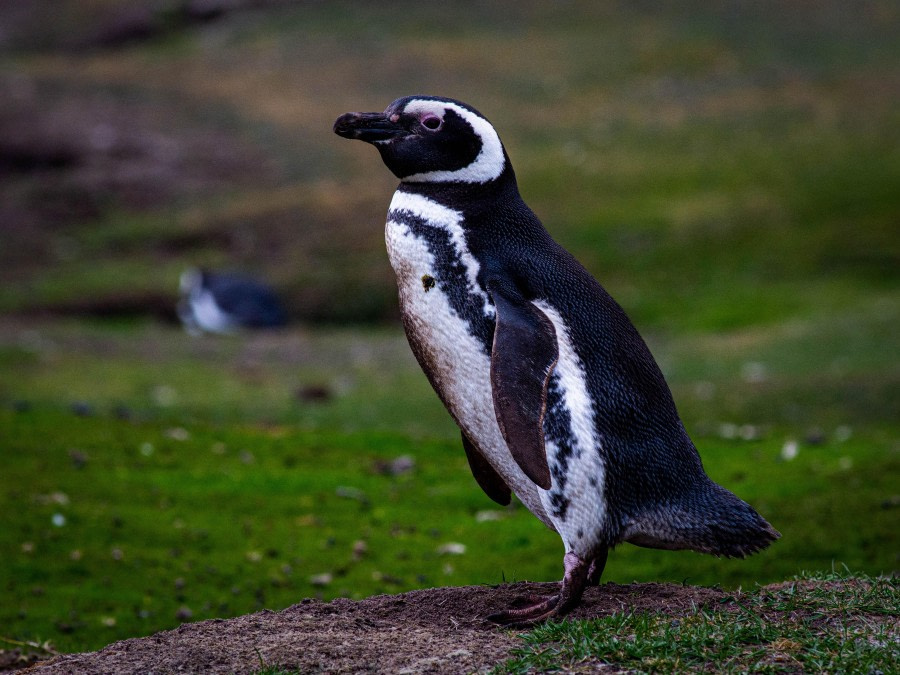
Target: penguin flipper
485,475
522,357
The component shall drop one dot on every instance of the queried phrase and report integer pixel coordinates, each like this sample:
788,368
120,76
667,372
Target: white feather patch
450,220
586,512
490,161
461,368
207,313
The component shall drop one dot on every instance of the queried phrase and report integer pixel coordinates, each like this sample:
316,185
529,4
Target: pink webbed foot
578,573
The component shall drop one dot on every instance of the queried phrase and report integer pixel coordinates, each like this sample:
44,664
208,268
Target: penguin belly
449,322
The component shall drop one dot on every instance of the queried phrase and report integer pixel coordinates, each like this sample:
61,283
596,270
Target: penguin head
192,280
428,139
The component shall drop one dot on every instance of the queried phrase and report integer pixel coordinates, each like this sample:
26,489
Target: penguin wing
489,480
522,358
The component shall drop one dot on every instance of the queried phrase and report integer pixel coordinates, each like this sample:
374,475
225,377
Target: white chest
448,319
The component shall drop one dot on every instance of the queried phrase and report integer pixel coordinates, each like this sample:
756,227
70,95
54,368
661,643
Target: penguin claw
577,574
525,601
521,617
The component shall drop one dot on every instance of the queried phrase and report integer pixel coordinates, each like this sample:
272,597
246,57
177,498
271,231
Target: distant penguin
222,303
557,396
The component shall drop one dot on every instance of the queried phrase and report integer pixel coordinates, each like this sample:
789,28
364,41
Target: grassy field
728,171
817,624
156,477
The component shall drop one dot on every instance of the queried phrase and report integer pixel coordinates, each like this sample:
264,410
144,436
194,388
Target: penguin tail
708,520
732,528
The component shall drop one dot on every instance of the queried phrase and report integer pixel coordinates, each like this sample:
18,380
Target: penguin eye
432,122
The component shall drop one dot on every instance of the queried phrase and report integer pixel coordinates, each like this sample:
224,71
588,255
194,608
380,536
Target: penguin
222,303
557,396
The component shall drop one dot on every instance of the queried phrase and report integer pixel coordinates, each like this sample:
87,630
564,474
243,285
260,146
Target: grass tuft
816,623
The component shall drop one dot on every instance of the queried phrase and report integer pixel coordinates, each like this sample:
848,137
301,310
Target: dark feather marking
558,432
450,276
490,481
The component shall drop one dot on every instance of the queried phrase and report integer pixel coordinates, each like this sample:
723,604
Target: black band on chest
450,276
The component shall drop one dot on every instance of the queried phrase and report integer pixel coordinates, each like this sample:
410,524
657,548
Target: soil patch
439,630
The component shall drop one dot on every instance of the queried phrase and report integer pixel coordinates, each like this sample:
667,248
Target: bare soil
439,630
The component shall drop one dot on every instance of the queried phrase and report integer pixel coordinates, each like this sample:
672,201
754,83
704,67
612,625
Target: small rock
891,502
207,10
754,372
395,467
728,430
321,580
184,613
704,390
164,396
178,434
122,412
179,583
485,516
789,450
360,548
383,578
843,433
313,393
79,459
814,437
351,493
452,548
82,409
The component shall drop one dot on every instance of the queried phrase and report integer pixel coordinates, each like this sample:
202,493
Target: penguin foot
556,606
595,571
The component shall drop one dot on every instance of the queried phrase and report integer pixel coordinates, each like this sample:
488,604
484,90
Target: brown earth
439,630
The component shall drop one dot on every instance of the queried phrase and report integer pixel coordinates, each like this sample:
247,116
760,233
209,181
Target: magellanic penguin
557,396
223,303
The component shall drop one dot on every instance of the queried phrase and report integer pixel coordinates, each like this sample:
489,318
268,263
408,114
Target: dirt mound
439,630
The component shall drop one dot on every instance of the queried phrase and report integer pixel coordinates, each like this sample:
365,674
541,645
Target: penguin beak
368,127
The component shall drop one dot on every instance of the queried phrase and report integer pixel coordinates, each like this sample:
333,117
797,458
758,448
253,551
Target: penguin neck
467,196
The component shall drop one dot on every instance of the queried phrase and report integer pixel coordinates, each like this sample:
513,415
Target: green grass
820,623
199,481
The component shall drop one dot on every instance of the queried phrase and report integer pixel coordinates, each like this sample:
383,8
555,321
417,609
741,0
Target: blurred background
730,171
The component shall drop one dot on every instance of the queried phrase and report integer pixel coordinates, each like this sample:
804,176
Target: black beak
369,127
